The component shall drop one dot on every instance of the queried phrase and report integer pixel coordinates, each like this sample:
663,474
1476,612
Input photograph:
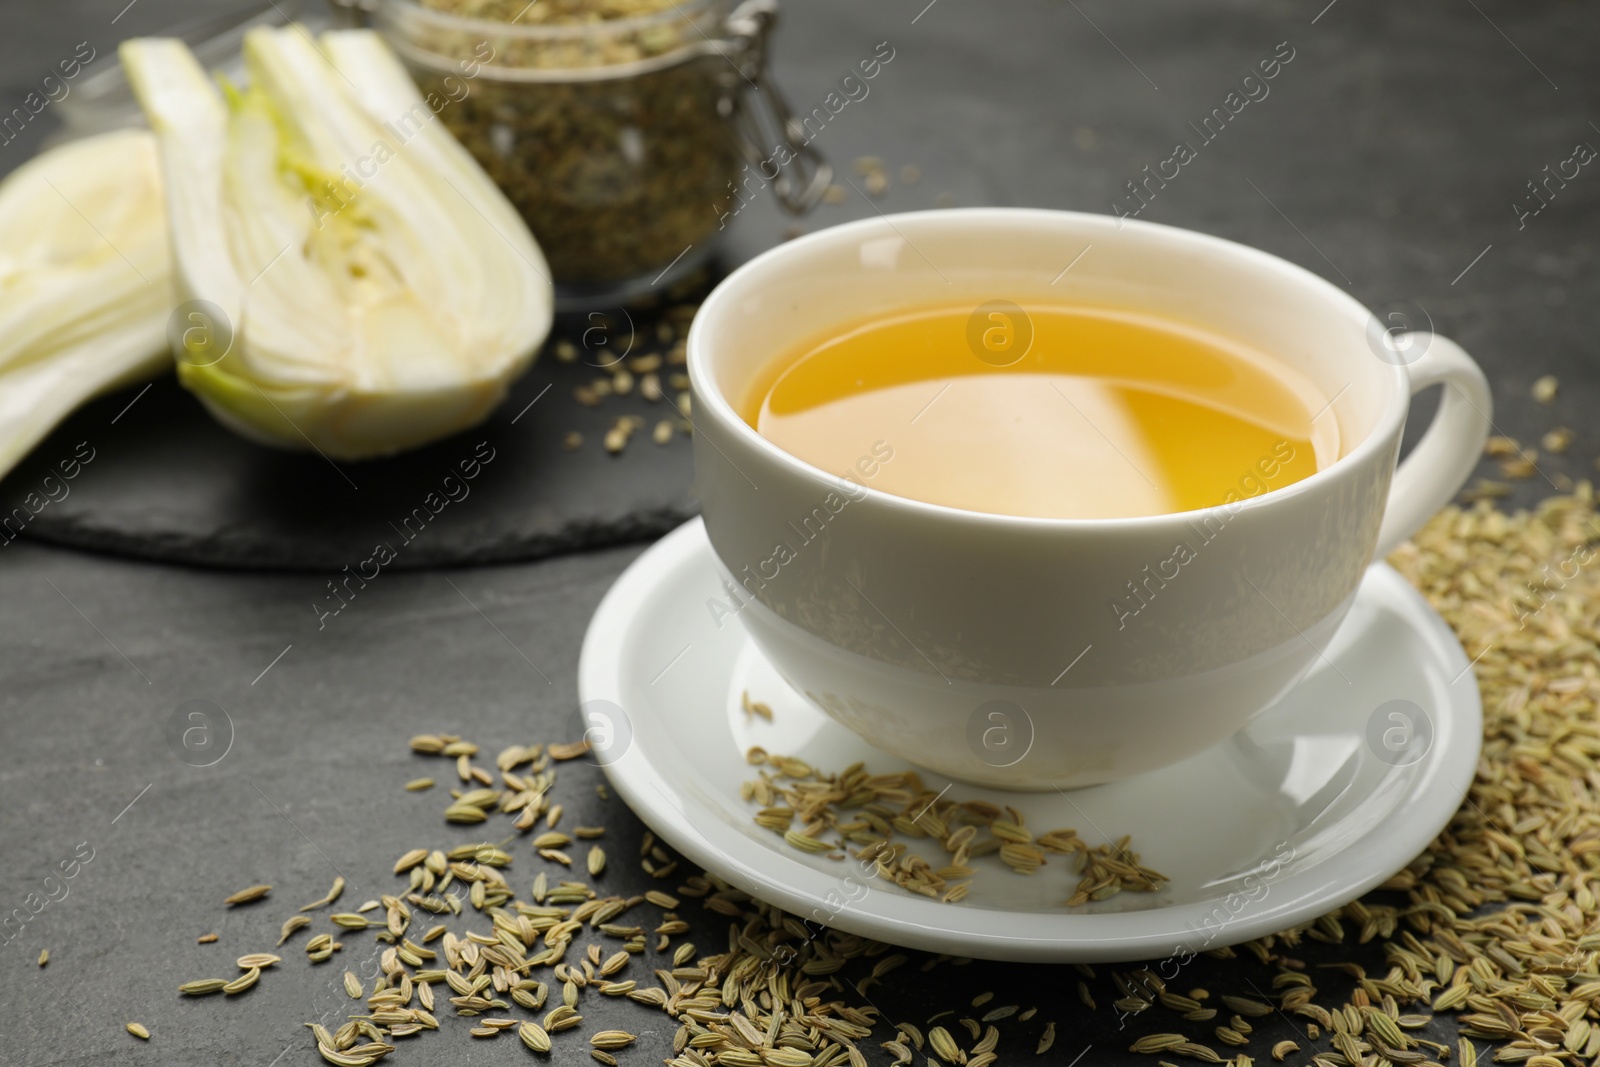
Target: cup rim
709,398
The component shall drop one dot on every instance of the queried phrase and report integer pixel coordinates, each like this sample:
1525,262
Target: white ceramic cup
1007,651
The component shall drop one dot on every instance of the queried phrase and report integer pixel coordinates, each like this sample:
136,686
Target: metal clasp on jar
760,115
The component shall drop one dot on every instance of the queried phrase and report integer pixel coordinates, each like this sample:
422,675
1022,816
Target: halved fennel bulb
365,287
85,281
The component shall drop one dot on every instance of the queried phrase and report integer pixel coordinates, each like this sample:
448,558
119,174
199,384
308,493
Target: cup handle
1442,461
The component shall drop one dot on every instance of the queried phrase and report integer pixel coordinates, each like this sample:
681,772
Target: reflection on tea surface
1056,411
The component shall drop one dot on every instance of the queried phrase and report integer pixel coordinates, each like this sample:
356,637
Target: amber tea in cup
1065,411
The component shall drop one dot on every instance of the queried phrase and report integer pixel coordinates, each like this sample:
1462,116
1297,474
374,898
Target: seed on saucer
139,1030
1544,389
790,767
755,708
805,842
1023,859
417,785
1046,1040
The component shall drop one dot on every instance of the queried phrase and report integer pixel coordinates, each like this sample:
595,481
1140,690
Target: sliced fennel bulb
381,292
85,281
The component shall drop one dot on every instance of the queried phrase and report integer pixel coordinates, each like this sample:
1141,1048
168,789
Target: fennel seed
247,896
203,987
290,925
243,982
613,1039
257,959
333,895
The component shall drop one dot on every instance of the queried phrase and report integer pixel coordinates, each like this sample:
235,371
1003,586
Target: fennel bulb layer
377,290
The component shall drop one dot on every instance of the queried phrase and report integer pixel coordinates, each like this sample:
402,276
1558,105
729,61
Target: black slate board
168,482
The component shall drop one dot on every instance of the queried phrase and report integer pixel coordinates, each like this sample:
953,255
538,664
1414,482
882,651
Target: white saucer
1322,798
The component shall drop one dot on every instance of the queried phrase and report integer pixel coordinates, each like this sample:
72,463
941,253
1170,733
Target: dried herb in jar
619,168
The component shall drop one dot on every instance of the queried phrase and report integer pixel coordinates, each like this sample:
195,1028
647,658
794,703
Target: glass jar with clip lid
622,130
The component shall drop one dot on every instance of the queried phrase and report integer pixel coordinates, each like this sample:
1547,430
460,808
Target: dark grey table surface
1389,157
